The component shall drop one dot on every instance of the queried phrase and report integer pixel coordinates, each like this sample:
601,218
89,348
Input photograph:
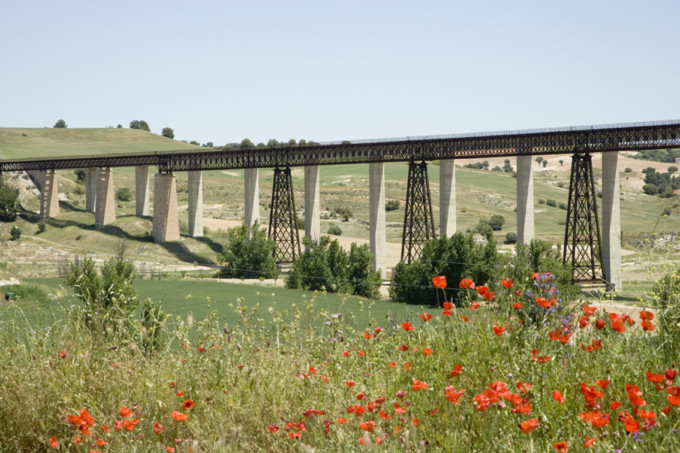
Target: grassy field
492,378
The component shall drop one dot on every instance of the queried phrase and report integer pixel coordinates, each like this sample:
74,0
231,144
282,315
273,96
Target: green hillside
21,143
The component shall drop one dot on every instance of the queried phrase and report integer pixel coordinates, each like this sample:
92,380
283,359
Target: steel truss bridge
582,233
587,139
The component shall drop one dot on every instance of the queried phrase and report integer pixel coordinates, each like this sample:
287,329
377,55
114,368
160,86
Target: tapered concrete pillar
165,220
91,181
447,197
252,196
105,210
195,193
525,200
312,204
49,195
377,238
611,220
142,191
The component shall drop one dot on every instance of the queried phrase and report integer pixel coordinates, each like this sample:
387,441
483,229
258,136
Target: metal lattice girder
282,218
619,137
582,232
418,220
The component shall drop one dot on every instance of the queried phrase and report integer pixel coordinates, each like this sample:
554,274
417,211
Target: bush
245,257
343,212
334,230
563,206
511,238
392,205
81,175
456,257
628,170
15,232
496,221
9,202
484,229
541,201
551,203
124,194
41,226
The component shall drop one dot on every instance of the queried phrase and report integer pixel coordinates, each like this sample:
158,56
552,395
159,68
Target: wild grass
260,382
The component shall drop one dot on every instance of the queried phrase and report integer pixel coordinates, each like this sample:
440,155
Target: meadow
516,368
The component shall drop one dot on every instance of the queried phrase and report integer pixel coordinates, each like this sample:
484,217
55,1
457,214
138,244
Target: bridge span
594,254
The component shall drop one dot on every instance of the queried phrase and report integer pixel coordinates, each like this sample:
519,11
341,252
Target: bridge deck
618,137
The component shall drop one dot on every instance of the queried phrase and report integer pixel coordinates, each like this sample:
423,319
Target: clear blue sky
329,70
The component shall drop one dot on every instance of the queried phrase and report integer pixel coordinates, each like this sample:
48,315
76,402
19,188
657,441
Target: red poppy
589,311
418,385
498,330
602,383
599,324
671,373
466,283
54,443
157,428
453,395
427,351
448,305
506,283
407,326
614,405
403,347
646,315
188,404
349,383
180,417
655,378
647,326
589,442
456,370
557,396
635,395
474,306
125,412
464,318
179,394
425,316
529,425
561,447
517,305
368,426
439,282
101,442
62,354
447,312
341,420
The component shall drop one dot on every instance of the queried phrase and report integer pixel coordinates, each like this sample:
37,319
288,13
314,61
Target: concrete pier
525,200
105,211
252,196
91,182
611,220
447,197
142,207
49,194
195,193
377,238
165,220
312,203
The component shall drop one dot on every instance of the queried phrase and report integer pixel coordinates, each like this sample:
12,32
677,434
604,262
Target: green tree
364,280
496,221
15,232
323,267
140,124
9,202
247,144
168,132
124,194
244,257
60,124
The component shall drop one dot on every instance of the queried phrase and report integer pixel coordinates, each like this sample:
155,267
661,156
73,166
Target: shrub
124,194
456,257
392,205
628,170
244,257
15,232
343,212
81,175
551,203
563,206
9,202
484,229
541,201
511,238
334,230
496,221
41,226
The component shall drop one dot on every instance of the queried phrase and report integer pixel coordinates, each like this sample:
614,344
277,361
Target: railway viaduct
594,252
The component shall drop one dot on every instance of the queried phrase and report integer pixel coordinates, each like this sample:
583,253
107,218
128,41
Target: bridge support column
525,200
91,182
49,195
447,197
165,220
105,211
611,221
312,203
378,241
195,193
282,217
142,190
252,196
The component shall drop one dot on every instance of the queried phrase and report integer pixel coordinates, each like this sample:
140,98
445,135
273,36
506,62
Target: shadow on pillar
282,218
418,220
582,233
